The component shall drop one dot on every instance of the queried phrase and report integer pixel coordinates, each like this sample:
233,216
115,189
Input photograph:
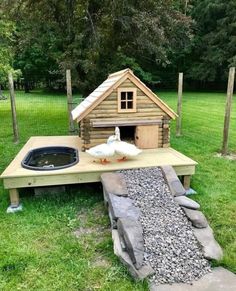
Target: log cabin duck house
123,100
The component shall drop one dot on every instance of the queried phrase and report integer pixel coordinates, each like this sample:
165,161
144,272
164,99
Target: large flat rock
219,279
140,274
197,218
176,187
211,248
114,183
121,207
131,232
187,202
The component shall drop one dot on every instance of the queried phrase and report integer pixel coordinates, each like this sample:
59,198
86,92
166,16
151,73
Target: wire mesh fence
39,113
45,113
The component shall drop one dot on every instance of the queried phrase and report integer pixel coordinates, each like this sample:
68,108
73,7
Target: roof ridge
127,70
108,85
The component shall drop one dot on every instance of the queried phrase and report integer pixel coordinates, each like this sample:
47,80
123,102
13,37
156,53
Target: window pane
123,105
130,95
130,104
123,96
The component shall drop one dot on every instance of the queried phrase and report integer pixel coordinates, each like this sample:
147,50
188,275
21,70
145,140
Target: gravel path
170,246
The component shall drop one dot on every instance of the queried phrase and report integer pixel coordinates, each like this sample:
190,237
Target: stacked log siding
107,110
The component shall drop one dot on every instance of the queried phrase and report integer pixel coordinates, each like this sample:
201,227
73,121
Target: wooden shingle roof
105,89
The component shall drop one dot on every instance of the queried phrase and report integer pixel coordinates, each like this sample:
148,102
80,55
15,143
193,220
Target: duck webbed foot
104,161
122,159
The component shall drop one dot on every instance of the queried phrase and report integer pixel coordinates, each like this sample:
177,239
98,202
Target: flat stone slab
176,187
131,232
121,207
114,183
197,218
211,248
140,274
187,202
219,279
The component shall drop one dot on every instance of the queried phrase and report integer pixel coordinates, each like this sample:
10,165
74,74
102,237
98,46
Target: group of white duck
114,146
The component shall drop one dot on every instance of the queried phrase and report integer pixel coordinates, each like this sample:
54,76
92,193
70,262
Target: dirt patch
83,231
101,262
93,222
91,214
82,217
230,157
96,231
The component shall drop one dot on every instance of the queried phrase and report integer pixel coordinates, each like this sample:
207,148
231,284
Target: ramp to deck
153,233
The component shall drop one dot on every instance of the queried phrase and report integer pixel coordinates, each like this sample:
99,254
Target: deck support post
14,198
186,182
15,201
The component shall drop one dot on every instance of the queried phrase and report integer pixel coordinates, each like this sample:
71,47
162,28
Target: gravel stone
169,243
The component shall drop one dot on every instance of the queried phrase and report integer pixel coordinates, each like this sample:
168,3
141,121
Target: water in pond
51,160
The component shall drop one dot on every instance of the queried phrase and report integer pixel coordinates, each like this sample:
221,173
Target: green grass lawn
38,247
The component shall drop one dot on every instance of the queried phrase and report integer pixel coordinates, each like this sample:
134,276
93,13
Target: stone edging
201,229
127,230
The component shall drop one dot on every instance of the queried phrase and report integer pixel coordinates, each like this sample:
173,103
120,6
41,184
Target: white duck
123,148
103,151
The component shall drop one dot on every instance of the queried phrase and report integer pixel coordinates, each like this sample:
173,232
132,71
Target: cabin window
127,99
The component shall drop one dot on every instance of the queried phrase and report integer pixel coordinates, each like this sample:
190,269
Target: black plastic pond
50,158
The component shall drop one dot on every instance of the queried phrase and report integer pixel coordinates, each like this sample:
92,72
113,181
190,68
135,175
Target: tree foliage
155,38
213,48
6,30
95,37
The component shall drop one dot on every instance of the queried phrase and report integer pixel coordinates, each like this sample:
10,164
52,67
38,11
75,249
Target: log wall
108,110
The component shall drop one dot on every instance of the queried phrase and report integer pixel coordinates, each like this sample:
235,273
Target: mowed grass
214,181
38,247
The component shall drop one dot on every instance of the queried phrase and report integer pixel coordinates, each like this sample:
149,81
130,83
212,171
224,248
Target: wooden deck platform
86,170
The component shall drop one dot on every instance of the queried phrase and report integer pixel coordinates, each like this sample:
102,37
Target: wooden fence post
228,106
13,108
179,105
69,100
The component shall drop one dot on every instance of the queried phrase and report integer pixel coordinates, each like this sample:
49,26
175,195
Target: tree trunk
27,87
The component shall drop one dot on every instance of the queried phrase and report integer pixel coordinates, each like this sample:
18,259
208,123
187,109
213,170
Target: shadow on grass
77,194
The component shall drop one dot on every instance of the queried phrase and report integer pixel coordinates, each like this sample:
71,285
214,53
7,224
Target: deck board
86,170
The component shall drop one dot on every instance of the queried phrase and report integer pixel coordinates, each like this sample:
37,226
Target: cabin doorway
143,136
127,133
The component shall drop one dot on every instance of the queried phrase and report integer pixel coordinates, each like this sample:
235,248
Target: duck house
123,100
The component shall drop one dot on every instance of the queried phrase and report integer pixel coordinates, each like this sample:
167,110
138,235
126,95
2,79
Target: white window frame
127,110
